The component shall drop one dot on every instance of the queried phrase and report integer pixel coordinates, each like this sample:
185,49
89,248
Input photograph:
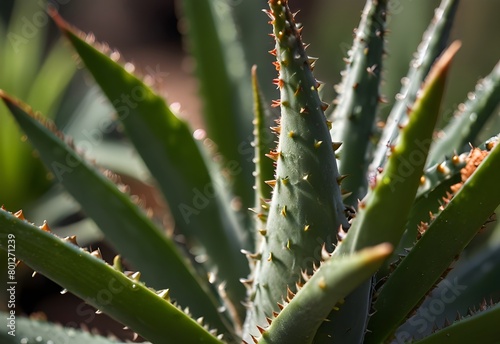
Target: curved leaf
125,299
444,239
125,225
175,160
478,328
335,279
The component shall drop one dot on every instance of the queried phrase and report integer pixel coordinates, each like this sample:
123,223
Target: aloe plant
353,240
39,79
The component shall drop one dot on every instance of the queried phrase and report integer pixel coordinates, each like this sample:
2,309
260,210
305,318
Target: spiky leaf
444,239
99,284
335,279
433,43
174,159
469,119
354,116
306,208
126,226
392,193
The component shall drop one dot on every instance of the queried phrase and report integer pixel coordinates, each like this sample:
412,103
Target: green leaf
393,193
125,299
23,48
469,119
175,160
472,280
435,182
444,239
264,169
51,81
264,119
306,207
433,43
354,116
335,279
396,187
22,177
225,86
126,226
481,327
35,331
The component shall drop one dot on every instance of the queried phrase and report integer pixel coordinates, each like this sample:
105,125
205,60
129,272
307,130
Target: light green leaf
124,298
174,159
125,225
445,238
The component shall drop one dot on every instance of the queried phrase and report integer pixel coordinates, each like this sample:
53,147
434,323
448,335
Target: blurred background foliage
36,66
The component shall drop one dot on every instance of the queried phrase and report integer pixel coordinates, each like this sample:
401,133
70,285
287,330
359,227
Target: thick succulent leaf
469,119
335,279
125,299
434,184
306,207
444,239
472,280
175,160
126,226
433,42
393,193
354,116
225,86
263,140
33,331
481,327
264,169
394,189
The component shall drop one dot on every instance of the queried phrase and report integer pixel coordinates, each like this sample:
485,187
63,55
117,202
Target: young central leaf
306,209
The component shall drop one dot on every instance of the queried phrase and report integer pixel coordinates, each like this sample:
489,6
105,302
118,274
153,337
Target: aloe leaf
264,169
21,53
263,140
481,327
335,279
51,81
354,116
306,208
33,331
126,226
391,193
469,119
471,281
433,42
434,184
394,189
23,47
225,86
176,162
125,299
444,239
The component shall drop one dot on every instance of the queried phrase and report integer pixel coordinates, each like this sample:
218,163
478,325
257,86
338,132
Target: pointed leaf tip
444,62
